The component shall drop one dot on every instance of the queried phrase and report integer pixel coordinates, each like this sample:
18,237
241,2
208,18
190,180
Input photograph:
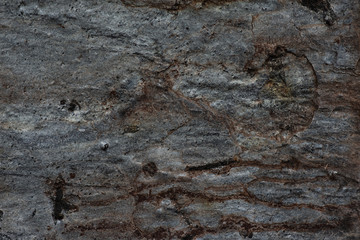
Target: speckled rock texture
179,119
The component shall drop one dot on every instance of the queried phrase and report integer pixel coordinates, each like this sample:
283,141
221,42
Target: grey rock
191,119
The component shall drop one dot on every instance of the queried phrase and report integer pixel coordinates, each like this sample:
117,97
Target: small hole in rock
150,169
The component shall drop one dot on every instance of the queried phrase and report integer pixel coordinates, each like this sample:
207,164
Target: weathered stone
172,119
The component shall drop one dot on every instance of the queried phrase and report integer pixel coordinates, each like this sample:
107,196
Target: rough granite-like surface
179,119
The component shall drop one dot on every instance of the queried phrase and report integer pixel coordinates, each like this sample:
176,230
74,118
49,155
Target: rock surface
179,119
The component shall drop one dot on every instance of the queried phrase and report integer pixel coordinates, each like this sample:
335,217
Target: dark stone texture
172,119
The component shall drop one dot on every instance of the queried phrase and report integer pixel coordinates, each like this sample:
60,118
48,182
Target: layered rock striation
171,119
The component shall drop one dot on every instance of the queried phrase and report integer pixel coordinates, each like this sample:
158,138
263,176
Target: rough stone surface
179,119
